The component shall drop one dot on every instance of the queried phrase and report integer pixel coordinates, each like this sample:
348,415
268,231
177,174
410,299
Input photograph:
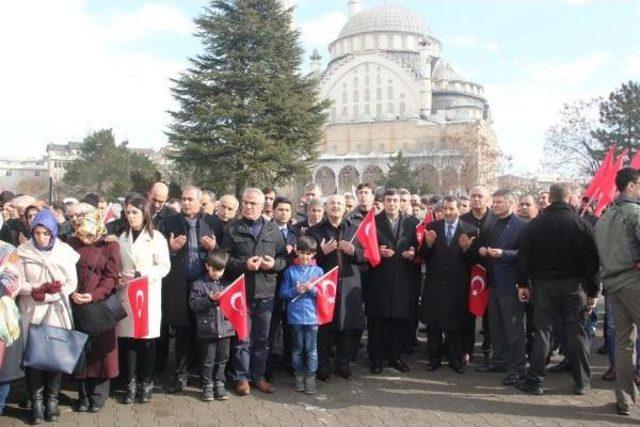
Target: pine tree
400,174
620,119
247,115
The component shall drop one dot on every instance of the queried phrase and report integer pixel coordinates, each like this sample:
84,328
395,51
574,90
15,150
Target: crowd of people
545,266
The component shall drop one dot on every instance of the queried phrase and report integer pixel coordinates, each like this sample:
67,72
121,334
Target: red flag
327,289
368,238
607,189
138,294
601,173
421,229
233,303
635,161
478,291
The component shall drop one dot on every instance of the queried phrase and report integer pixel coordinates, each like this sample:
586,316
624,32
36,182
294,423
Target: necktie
285,232
449,233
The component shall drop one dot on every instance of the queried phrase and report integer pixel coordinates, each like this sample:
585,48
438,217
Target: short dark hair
390,192
59,206
625,176
451,199
307,244
463,197
559,192
364,185
281,200
92,199
266,190
506,194
217,259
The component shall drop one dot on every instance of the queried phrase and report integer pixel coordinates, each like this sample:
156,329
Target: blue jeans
611,337
250,361
304,355
4,393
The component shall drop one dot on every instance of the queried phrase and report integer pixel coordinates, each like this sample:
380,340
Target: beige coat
148,255
39,267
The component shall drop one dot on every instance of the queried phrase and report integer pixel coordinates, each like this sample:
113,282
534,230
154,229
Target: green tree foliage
108,169
402,175
620,119
247,115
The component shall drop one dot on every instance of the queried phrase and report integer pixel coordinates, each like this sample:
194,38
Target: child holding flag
297,288
214,331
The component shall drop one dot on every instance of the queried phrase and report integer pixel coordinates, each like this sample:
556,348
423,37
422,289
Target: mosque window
379,110
367,95
356,97
366,80
403,109
345,97
378,79
367,110
390,91
390,108
356,112
378,94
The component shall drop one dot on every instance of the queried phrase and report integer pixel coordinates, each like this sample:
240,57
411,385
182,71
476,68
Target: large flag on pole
607,189
326,292
368,238
233,303
601,174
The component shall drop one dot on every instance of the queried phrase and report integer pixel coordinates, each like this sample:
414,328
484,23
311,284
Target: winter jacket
301,309
211,323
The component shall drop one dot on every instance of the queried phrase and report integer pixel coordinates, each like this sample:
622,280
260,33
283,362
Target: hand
38,294
495,252
385,252
328,247
346,247
208,242
290,248
524,294
483,251
410,253
253,263
267,262
215,296
591,303
81,298
176,243
430,237
465,242
301,288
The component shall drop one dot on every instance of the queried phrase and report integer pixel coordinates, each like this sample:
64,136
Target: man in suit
449,254
191,235
505,309
390,304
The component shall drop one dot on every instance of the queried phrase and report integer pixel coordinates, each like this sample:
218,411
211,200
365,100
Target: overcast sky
73,66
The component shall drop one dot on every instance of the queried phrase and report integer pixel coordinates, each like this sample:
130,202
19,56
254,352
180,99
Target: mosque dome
384,19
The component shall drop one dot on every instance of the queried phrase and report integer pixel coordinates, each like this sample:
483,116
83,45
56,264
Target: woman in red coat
98,270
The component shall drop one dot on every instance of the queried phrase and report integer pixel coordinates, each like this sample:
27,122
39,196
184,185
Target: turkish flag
326,292
421,229
478,291
138,294
368,238
607,189
233,303
601,174
110,215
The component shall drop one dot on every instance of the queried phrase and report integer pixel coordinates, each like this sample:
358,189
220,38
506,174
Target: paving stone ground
417,398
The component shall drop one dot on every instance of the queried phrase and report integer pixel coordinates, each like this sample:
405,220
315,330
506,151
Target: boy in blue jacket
214,331
297,289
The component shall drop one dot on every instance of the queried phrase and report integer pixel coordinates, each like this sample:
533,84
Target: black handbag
96,318
54,349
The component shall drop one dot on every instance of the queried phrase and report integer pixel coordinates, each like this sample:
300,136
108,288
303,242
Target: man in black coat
334,235
558,261
390,305
191,235
449,255
315,214
257,249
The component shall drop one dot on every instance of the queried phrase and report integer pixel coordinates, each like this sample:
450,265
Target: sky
73,66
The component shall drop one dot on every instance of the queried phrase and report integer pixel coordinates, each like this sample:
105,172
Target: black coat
175,287
445,298
393,283
348,313
242,245
210,322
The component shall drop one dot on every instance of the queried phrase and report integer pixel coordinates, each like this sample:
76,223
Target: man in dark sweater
558,261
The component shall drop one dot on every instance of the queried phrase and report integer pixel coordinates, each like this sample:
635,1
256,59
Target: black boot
146,391
36,388
132,386
83,399
51,390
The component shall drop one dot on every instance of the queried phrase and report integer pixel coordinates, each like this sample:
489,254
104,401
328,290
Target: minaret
426,86
355,6
316,62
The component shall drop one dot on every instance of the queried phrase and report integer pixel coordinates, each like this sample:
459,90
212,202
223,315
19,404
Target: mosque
392,91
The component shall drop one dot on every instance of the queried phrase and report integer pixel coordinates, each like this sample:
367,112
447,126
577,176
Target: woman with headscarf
143,252
10,368
49,274
98,271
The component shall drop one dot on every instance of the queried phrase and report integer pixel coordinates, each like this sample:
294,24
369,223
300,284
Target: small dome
444,71
385,18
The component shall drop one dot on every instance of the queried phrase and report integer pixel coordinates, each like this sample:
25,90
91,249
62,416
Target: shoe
94,407
603,349
399,365
310,384
82,405
243,388
622,410
345,373
299,386
512,379
177,386
220,392
563,366
51,410
581,390
132,387
491,368
433,366
610,375
530,387
37,410
466,358
323,376
375,368
263,386
207,393
146,391
458,368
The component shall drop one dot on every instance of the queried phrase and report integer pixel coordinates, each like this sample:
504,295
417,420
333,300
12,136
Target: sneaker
299,382
310,384
207,393
220,392
530,387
